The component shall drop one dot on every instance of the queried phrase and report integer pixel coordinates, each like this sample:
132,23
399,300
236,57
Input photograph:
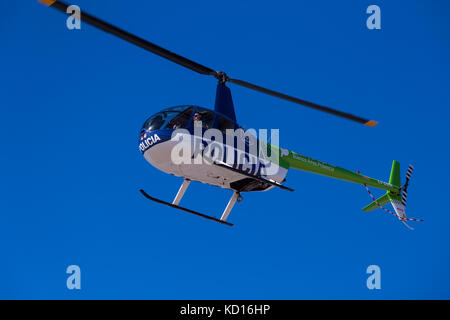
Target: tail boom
299,162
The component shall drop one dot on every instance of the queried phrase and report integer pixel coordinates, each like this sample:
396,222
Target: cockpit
188,116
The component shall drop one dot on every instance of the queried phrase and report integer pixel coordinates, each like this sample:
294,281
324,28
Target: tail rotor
405,186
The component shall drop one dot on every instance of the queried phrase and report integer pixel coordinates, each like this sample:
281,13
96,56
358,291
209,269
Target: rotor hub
221,76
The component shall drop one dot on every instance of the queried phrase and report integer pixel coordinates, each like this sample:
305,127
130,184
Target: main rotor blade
221,76
61,6
335,112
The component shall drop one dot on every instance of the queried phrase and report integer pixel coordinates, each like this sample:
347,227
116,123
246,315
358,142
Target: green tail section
395,192
390,196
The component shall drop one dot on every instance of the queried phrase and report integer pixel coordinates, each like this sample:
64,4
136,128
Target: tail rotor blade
405,187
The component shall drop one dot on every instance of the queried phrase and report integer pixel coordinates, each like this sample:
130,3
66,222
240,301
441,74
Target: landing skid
185,209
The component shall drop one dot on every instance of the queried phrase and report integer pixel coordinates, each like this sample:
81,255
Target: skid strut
235,197
181,192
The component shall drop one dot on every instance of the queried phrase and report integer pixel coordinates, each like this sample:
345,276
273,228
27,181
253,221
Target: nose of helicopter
148,139
156,147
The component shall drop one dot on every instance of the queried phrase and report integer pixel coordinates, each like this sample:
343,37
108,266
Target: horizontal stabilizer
382,201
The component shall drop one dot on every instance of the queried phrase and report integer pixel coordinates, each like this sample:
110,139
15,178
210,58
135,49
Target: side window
203,117
181,120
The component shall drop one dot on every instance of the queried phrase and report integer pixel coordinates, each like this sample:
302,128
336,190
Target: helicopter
188,128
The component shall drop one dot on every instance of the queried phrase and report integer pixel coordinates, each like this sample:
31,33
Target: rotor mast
224,101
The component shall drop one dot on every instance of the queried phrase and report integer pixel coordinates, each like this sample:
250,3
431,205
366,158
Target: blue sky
72,103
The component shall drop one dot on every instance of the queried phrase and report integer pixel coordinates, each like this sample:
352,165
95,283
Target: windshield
171,118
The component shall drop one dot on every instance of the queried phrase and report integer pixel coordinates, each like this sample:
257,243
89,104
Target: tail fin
394,178
397,199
